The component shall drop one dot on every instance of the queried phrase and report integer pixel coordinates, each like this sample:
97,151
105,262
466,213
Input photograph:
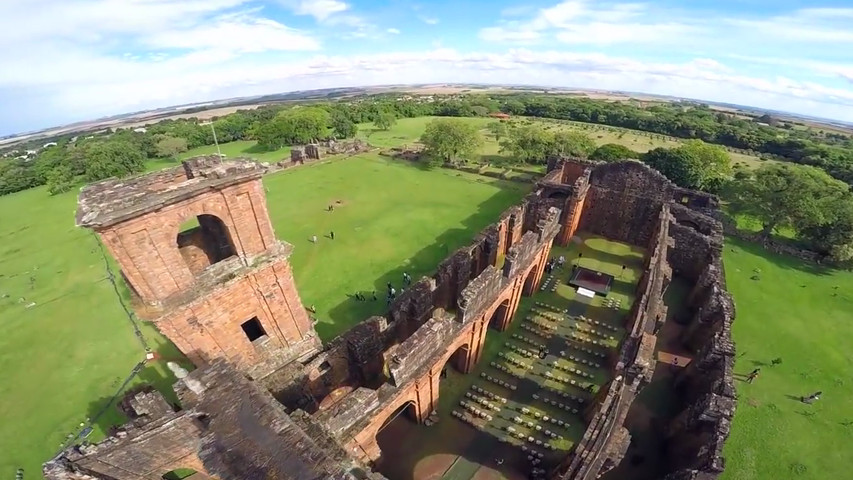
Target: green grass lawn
62,359
802,314
393,217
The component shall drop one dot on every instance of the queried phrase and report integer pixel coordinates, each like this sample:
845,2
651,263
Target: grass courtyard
64,357
514,399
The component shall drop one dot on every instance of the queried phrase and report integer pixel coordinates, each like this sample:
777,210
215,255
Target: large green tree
534,144
343,126
112,158
572,144
450,139
497,130
693,165
613,152
529,144
60,180
784,195
168,146
384,119
296,126
834,236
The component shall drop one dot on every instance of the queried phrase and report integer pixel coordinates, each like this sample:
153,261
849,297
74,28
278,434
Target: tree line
815,206
99,156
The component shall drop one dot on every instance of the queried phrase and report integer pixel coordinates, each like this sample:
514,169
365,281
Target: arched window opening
203,241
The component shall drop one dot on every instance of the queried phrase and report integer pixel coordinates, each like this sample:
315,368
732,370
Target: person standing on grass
332,235
374,295
313,238
812,398
752,375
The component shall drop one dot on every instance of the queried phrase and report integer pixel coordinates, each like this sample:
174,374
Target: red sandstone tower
222,288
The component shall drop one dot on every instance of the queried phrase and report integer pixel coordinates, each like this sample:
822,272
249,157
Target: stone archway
530,281
500,316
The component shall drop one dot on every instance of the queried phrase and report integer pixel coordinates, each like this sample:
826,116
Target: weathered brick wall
193,250
680,228
146,246
706,386
624,201
698,240
210,326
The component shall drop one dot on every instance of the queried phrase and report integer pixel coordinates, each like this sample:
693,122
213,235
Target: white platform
585,292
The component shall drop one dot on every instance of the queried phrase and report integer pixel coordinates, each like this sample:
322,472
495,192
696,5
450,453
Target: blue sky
70,60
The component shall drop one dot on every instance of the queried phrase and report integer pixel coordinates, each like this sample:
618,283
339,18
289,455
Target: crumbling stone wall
699,238
628,202
706,386
231,429
624,201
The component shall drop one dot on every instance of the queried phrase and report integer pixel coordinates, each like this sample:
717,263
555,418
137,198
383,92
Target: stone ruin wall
385,363
230,429
684,237
355,359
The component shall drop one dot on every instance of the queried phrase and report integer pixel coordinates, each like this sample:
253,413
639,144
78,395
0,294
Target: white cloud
320,9
516,36
821,25
393,31
581,22
241,35
428,20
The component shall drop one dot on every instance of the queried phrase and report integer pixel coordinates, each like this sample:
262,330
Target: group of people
555,263
391,292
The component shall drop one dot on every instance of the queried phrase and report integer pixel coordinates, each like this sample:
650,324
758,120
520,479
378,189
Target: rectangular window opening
253,329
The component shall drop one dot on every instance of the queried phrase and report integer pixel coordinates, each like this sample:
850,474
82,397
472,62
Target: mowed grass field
393,217
63,358
802,314
408,130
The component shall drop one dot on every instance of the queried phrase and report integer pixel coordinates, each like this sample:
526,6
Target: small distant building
500,115
140,130
49,144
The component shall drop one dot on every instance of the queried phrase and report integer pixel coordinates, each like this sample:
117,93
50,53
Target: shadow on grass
786,262
422,263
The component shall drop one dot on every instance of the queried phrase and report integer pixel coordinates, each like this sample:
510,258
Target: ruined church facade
268,400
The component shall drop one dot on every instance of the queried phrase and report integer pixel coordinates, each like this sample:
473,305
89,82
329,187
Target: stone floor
518,411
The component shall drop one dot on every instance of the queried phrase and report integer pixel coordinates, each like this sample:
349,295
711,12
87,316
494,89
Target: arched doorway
397,437
204,240
530,281
459,360
500,317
